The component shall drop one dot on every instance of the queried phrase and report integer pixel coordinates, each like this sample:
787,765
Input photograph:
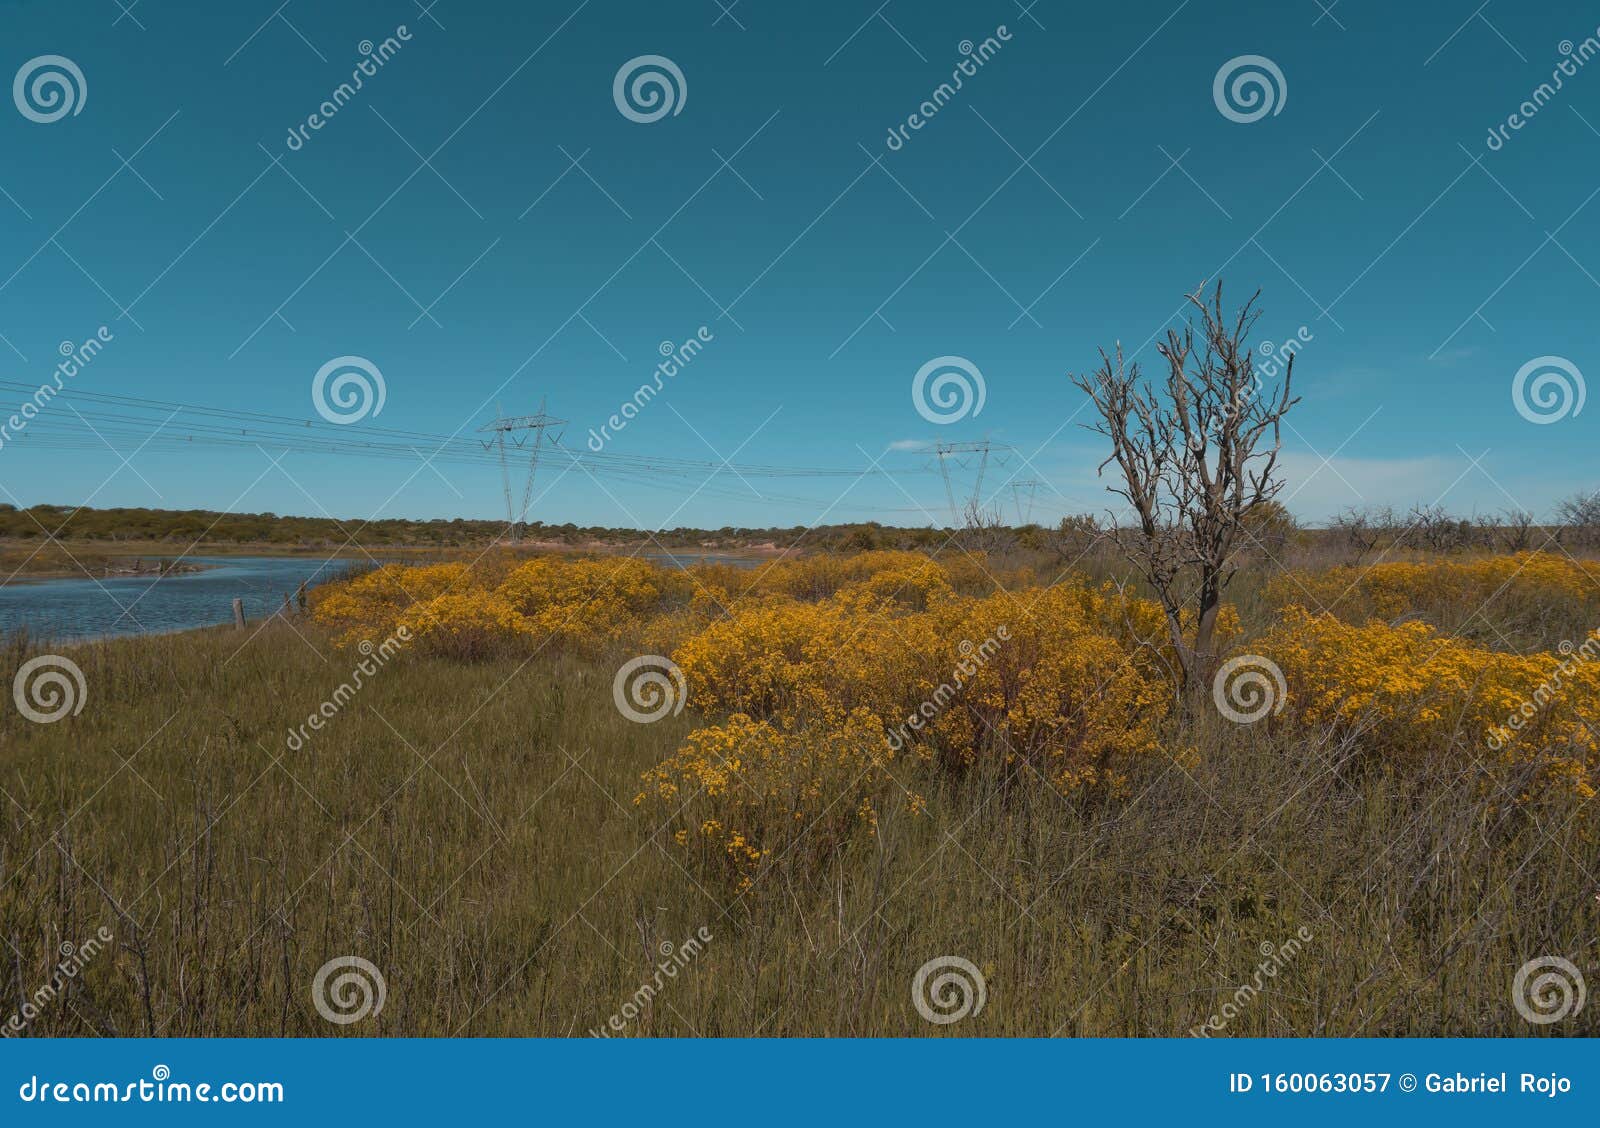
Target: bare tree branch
1195,456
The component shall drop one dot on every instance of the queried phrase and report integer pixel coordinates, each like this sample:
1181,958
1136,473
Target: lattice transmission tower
520,427
1024,488
944,451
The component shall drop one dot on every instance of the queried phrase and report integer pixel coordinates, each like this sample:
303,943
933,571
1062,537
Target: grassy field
470,829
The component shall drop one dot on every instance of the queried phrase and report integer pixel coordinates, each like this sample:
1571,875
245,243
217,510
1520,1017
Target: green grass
470,830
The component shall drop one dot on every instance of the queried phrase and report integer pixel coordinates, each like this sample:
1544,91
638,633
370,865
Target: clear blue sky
1424,279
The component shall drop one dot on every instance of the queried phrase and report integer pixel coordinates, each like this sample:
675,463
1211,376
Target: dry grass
469,830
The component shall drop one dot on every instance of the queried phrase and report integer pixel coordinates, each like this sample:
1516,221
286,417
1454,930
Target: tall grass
469,829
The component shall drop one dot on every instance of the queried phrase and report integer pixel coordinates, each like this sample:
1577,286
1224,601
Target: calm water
686,559
125,605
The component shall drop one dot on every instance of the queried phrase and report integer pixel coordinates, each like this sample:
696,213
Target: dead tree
985,530
1578,520
1517,530
1436,530
1361,530
1076,537
1197,453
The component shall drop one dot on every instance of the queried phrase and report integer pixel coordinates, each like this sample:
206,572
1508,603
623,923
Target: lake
73,608
78,607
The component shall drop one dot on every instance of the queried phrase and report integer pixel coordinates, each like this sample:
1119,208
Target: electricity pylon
944,450
519,426
1020,487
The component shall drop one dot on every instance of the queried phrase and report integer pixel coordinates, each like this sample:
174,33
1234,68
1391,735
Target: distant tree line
1431,528
1269,529
186,526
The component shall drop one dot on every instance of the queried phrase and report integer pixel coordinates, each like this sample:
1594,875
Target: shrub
1414,692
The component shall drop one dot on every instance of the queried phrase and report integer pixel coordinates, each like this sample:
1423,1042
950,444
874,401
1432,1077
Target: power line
99,420
502,426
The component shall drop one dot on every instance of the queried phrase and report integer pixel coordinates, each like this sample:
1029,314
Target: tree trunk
1186,656
1205,658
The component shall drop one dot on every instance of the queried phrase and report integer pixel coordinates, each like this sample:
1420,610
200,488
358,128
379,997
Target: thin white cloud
1314,490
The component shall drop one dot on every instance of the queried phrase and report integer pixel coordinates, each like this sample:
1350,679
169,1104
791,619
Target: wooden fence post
238,613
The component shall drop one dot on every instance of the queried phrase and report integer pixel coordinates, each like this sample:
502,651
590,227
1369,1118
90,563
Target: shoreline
154,552
46,575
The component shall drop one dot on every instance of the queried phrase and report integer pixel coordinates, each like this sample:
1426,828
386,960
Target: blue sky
1066,197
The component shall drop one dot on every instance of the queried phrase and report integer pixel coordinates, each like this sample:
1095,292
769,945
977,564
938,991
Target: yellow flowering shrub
519,601
851,680
913,586
372,603
813,578
748,792
1446,590
1412,690
833,685
496,602
755,661
584,601
1140,625
462,624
